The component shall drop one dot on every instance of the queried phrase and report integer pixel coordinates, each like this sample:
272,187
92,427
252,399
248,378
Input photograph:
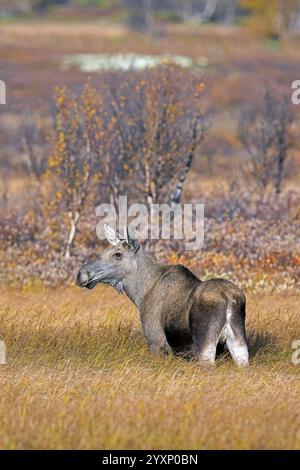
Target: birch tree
265,132
160,121
70,165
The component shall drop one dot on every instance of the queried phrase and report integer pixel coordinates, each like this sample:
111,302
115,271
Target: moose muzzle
87,276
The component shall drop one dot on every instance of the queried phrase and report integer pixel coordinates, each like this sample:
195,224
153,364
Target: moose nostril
82,278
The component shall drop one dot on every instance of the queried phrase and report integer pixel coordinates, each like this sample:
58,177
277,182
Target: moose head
113,265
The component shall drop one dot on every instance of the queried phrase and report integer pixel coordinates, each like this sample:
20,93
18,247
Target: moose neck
137,285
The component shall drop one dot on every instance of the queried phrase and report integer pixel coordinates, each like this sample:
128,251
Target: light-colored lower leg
238,349
207,355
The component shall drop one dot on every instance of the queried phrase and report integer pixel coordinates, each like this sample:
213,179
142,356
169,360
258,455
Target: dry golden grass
78,372
78,375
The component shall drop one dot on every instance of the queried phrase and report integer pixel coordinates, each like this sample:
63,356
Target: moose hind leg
236,340
206,328
238,348
207,354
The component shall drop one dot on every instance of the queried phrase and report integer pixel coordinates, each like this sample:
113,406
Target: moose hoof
161,350
207,363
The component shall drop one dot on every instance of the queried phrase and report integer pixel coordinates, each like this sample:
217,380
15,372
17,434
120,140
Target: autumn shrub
272,18
70,164
265,132
134,136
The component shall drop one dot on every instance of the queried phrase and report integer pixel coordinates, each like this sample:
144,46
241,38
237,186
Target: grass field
79,375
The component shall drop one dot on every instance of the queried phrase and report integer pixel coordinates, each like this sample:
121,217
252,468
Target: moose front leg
155,336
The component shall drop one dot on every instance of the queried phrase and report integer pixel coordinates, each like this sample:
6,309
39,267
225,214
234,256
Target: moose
177,310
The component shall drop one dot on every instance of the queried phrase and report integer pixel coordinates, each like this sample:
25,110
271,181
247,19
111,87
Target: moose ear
111,235
132,241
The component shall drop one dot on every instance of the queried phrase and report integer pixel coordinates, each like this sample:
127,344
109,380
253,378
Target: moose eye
117,255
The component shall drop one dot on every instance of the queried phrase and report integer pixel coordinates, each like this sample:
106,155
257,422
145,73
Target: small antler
131,240
126,233
111,235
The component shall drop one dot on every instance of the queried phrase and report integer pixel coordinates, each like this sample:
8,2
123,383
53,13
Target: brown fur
177,310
